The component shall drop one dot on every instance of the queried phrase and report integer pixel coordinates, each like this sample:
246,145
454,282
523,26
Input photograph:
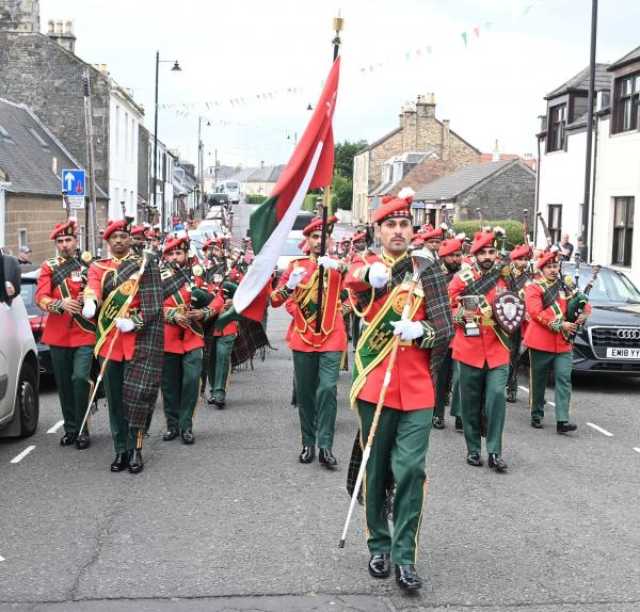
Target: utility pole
90,216
584,234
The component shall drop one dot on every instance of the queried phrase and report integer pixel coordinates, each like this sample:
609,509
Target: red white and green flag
310,167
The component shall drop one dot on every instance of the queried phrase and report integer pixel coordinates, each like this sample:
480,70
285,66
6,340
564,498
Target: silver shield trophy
471,303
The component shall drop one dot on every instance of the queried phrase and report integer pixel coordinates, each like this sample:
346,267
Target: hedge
514,229
254,198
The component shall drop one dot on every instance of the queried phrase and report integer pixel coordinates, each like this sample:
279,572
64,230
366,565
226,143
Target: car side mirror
9,272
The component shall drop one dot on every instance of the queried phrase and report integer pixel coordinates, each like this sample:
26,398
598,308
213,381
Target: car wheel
27,401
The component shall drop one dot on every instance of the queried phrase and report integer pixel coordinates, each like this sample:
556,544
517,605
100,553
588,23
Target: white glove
125,325
326,262
407,330
295,278
89,309
378,275
10,289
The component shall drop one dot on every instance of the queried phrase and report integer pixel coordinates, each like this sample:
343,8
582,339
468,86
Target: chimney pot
59,27
51,26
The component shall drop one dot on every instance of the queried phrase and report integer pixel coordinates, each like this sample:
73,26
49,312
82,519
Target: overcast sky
492,88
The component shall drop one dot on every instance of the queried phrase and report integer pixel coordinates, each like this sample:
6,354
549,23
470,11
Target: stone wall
502,196
38,214
37,72
379,154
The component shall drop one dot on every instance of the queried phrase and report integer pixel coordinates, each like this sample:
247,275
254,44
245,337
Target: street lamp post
175,68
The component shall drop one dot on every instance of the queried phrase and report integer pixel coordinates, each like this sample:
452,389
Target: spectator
566,248
24,255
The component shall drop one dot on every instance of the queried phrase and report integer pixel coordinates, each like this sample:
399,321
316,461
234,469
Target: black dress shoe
187,437
170,434
496,462
536,423
474,459
210,400
438,423
380,565
565,427
83,441
308,454
512,396
459,427
136,465
326,458
121,462
407,578
68,439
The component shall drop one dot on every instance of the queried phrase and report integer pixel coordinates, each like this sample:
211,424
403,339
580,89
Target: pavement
235,523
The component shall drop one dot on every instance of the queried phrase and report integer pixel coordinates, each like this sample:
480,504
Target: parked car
232,189
609,342
218,199
19,371
303,219
289,251
37,319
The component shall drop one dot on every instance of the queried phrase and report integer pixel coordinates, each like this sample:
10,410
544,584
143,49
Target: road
236,523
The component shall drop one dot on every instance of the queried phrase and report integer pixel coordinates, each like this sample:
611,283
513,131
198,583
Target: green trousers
71,369
316,377
401,443
540,364
472,383
180,386
456,409
123,437
443,383
220,366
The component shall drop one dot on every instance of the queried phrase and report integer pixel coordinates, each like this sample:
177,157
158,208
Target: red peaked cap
69,228
449,247
546,258
121,225
175,243
316,225
392,206
433,233
139,230
359,236
520,251
219,241
481,240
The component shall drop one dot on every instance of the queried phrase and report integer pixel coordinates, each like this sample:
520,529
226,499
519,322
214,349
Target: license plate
623,353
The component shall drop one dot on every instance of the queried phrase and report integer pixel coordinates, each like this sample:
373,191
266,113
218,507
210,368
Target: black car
609,342
37,319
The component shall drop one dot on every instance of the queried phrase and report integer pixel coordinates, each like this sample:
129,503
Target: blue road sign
73,182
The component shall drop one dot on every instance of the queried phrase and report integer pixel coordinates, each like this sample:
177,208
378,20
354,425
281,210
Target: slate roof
450,186
580,82
266,174
27,149
630,57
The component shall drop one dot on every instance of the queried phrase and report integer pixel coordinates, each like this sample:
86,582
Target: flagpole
338,23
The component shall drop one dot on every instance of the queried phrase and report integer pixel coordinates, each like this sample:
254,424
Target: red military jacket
62,329
487,347
543,330
179,339
217,307
410,387
125,344
301,335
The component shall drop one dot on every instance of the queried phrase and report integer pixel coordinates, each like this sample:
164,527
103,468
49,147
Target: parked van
232,189
19,371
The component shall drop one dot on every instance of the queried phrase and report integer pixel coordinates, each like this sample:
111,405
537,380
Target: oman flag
310,167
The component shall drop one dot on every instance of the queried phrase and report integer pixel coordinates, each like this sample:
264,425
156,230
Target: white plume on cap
461,236
499,230
406,192
444,226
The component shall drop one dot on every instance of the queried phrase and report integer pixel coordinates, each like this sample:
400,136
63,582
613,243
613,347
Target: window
126,136
556,136
626,101
22,237
622,231
554,222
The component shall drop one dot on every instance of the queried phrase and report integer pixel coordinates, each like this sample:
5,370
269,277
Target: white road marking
637,449
604,432
55,428
1,558
23,454
527,391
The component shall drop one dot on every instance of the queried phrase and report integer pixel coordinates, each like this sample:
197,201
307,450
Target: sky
250,68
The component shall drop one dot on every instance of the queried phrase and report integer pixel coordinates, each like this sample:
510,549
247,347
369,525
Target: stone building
419,132
31,163
500,190
20,15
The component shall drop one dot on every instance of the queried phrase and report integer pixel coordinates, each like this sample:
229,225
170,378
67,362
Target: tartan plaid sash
63,270
550,294
484,284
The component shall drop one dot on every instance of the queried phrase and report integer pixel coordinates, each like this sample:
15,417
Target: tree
342,191
344,154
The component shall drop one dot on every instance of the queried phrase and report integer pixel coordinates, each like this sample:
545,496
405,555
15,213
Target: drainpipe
534,221
593,190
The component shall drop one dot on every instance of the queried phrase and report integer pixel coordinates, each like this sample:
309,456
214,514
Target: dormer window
626,102
556,137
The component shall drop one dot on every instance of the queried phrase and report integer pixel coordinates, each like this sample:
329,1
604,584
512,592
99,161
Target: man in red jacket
548,338
316,355
401,441
70,336
183,341
483,354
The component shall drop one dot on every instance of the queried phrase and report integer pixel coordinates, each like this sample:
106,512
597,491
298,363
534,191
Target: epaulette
102,263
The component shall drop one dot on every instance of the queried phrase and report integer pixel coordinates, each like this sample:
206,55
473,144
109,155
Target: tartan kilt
251,338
